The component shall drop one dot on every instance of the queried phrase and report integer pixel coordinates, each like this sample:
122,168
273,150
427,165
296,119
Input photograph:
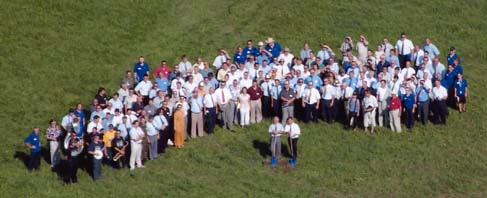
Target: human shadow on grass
25,157
265,150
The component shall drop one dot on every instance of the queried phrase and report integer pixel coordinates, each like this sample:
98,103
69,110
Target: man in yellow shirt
107,140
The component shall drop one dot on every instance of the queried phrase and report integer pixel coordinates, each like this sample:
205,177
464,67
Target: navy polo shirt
461,86
408,101
249,51
275,51
140,70
452,58
239,58
34,140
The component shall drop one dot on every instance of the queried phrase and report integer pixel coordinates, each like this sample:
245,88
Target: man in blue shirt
33,142
239,57
351,80
162,82
423,100
80,112
431,48
273,47
461,92
314,78
140,69
96,149
452,56
250,50
196,108
409,104
212,81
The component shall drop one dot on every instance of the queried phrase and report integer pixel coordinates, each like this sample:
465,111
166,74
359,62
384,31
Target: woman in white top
293,131
244,103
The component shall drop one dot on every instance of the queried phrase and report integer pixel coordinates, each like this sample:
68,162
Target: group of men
403,81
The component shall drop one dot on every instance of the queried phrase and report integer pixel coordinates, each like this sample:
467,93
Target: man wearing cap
287,57
221,58
33,142
452,55
311,103
255,102
224,97
273,47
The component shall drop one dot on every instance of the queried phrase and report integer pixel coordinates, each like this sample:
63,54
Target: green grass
54,54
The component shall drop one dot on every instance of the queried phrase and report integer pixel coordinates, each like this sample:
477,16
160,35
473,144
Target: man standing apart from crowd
141,68
275,130
293,131
33,142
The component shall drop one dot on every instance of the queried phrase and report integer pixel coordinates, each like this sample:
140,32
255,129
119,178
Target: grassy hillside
54,54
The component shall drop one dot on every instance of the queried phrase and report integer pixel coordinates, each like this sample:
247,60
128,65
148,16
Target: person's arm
466,92
318,103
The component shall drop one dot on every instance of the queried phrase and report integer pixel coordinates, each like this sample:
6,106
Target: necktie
402,48
309,96
268,90
223,97
384,47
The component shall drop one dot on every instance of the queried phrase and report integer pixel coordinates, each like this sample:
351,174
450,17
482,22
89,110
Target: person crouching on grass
293,131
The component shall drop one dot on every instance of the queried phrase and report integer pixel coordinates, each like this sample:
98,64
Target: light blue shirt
151,129
196,104
422,93
432,50
266,88
275,91
317,82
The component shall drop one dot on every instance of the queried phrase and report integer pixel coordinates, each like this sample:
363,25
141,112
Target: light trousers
196,123
369,119
395,120
54,152
135,154
255,111
244,116
287,111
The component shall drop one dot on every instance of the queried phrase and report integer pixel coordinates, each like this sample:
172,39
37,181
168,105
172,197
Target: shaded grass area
54,54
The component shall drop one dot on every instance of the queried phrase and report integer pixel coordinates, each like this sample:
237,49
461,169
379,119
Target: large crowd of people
355,85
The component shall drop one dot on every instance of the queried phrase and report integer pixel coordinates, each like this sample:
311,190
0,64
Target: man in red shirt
395,113
163,68
255,104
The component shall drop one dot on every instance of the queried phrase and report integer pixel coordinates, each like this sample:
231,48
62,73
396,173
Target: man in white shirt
287,57
383,95
299,89
116,102
418,56
96,123
136,136
161,124
293,131
311,103
407,71
143,88
185,66
221,58
123,92
275,131
210,109
440,110
386,46
224,97
327,101
362,46
405,48
369,106
246,80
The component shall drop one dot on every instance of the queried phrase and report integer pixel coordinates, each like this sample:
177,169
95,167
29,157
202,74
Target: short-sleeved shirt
288,95
460,87
34,140
141,69
276,127
96,146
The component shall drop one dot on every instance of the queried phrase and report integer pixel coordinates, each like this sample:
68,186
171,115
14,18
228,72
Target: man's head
275,120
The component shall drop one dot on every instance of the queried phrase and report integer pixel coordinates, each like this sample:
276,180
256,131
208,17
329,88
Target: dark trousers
439,112
72,170
423,112
409,118
34,160
276,108
403,59
164,137
311,113
96,169
210,119
352,119
298,109
145,100
266,105
326,110
293,144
